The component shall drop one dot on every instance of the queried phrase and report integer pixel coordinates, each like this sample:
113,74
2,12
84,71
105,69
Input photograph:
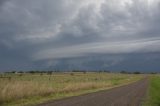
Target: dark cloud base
128,62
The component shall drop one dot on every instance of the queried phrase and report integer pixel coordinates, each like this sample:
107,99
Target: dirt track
129,95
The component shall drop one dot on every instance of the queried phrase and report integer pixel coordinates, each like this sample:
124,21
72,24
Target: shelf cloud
58,33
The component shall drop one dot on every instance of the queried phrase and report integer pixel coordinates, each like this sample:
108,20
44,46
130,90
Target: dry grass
84,86
19,90
28,86
22,89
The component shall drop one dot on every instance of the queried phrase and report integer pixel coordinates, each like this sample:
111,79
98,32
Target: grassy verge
154,92
30,89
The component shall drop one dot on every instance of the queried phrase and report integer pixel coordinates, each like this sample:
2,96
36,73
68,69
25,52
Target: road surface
128,95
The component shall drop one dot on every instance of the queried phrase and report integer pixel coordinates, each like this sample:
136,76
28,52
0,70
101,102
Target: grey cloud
2,2
35,31
34,19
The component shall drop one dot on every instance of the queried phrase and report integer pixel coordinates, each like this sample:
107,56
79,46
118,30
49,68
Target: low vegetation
154,92
24,88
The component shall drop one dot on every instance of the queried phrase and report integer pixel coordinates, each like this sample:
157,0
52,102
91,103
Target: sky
80,34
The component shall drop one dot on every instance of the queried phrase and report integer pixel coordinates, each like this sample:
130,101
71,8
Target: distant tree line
126,72
83,71
135,72
54,71
31,72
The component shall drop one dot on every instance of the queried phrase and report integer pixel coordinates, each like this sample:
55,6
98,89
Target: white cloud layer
139,46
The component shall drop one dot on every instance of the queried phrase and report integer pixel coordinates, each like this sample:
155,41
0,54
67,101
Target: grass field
24,89
154,92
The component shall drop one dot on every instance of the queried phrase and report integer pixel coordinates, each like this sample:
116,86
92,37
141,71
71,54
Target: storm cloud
82,34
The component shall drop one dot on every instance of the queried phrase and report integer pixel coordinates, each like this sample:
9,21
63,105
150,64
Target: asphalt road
128,95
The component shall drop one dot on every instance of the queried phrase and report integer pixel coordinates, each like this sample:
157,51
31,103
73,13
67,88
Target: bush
136,72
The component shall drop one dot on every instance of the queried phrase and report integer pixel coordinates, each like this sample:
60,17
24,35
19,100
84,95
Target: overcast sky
80,34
